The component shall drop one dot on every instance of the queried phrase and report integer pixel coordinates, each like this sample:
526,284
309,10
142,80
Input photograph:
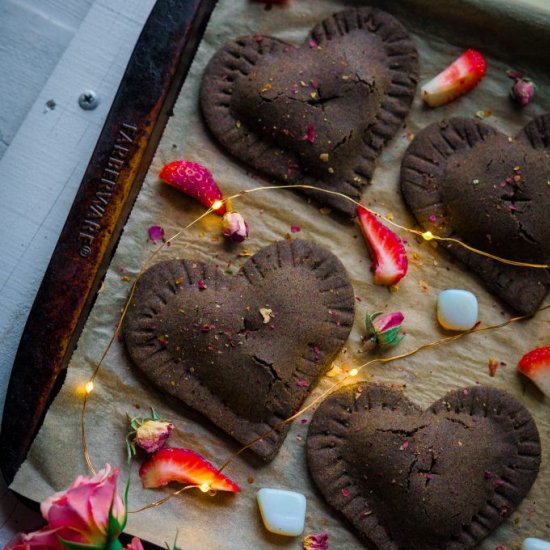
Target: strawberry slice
194,180
536,366
389,258
461,76
185,466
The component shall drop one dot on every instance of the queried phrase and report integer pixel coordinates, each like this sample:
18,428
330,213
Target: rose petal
135,544
388,321
156,233
44,539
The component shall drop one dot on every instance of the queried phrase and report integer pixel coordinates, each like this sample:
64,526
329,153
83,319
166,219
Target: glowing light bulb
428,235
353,372
205,487
89,387
217,205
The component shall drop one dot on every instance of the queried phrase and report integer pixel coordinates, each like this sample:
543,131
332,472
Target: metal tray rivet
88,100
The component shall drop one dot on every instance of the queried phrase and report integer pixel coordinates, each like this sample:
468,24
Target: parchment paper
233,521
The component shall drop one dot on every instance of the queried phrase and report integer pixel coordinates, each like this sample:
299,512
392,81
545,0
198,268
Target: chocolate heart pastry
243,350
316,114
409,479
464,179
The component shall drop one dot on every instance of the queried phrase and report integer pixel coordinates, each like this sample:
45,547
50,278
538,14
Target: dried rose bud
384,328
149,433
234,227
152,434
523,89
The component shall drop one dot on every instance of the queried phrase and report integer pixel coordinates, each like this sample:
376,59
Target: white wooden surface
33,36
49,50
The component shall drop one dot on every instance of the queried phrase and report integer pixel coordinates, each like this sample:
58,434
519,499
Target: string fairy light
355,371
205,487
425,235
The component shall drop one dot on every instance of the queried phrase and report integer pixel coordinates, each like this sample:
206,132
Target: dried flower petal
513,74
310,134
316,542
156,233
266,314
134,544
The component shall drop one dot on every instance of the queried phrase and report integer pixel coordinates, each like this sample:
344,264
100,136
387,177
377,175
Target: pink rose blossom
78,515
45,539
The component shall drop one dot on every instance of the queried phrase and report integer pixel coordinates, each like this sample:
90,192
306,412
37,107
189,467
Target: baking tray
119,162
134,125
62,304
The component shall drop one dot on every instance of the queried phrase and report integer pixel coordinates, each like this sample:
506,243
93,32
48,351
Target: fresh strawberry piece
185,466
536,366
461,76
194,180
389,258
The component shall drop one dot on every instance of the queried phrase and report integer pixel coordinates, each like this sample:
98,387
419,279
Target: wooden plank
111,182
33,36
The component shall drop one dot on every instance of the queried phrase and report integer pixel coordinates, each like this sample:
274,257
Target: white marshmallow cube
535,544
283,512
457,309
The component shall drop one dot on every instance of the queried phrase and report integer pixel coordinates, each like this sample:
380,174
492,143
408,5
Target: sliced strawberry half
185,466
461,76
536,366
194,180
389,258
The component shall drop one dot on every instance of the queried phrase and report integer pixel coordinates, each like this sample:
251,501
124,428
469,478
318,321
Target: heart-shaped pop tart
243,350
316,114
408,479
464,179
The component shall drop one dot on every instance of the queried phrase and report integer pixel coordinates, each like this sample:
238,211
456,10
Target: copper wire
435,343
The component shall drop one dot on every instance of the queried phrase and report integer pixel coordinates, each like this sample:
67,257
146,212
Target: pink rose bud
384,328
234,227
523,89
152,434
